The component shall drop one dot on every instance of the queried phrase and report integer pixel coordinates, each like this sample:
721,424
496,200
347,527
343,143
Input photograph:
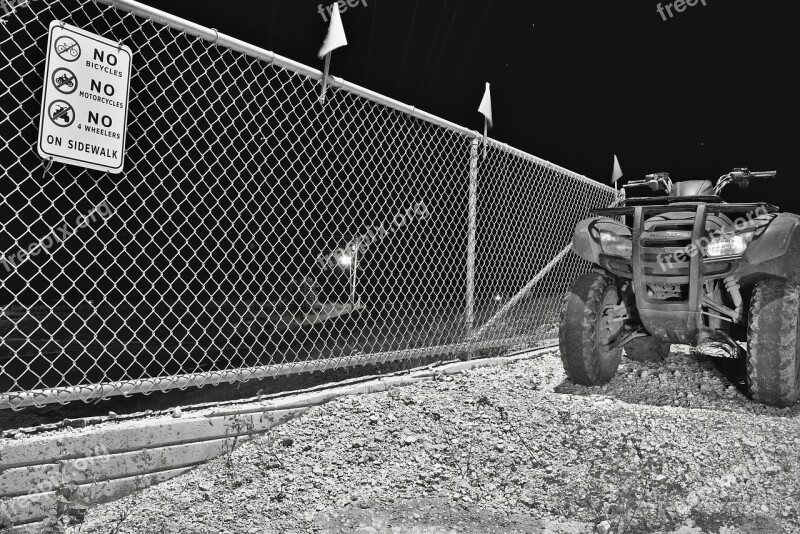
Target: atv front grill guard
668,267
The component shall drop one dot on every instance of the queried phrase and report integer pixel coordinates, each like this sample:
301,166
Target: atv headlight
729,244
616,245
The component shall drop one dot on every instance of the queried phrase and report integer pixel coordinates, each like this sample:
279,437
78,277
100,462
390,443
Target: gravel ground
672,448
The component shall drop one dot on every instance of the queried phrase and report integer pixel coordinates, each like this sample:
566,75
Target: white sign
85,99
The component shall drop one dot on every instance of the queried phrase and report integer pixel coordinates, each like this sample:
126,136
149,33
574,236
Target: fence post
469,312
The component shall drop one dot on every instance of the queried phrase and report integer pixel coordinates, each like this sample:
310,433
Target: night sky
573,81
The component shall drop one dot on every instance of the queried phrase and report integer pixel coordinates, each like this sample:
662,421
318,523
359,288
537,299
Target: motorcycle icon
64,79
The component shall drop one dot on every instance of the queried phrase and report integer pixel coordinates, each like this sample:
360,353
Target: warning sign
85,99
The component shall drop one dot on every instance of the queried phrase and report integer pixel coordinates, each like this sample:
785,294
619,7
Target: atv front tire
773,351
585,326
647,349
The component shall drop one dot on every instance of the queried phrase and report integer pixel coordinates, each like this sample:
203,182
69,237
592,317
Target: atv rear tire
585,326
647,349
773,351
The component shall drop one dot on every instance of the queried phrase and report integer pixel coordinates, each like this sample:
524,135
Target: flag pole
485,109
333,40
325,72
485,133
616,173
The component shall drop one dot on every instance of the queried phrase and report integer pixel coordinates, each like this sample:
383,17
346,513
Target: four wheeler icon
62,113
58,115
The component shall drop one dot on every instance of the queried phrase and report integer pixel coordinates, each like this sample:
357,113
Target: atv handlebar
741,177
659,181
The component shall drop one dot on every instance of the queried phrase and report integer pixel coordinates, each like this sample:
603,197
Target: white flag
617,173
486,106
335,37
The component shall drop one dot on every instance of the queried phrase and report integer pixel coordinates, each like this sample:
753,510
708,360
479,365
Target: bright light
729,245
498,298
345,260
616,244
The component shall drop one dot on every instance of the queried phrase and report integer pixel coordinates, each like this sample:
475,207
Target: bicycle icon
64,80
67,48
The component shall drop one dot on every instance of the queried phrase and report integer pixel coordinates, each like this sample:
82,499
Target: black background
573,82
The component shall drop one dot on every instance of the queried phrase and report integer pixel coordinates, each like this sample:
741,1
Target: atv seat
692,188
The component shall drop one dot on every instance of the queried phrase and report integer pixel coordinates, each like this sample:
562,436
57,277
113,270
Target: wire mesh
526,214
255,231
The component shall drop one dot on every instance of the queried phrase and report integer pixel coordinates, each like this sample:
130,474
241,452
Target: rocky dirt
670,448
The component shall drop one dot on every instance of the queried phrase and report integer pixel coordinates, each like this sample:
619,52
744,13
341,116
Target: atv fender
774,241
586,239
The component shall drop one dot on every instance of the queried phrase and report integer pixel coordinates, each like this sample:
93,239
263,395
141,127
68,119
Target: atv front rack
642,201
671,208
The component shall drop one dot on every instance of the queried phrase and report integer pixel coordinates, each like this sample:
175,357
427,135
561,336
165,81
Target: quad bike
687,268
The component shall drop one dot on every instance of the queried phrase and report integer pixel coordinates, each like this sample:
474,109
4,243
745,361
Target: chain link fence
254,231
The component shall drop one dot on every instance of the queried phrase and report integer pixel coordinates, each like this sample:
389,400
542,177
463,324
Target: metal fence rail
254,231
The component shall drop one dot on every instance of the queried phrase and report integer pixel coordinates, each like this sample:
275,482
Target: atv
682,266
